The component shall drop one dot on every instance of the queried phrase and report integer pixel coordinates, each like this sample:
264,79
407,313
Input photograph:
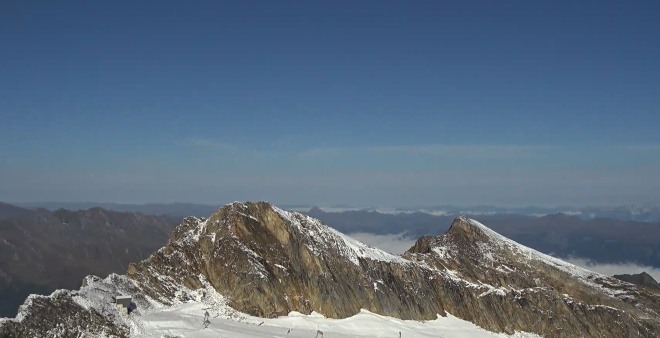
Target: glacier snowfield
185,321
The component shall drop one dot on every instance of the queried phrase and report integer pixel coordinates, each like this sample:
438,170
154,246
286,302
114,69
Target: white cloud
459,151
560,155
504,148
206,143
394,244
638,148
610,269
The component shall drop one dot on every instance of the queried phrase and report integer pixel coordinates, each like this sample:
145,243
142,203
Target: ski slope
185,321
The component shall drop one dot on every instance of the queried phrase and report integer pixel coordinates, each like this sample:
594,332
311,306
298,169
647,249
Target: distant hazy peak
643,279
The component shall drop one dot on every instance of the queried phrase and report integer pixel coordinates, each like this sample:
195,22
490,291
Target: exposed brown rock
269,267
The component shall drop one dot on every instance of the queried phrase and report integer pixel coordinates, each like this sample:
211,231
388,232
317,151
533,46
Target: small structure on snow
123,303
207,320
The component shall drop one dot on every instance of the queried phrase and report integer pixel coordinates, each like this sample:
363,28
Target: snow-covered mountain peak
490,245
475,253
473,230
469,227
243,221
320,236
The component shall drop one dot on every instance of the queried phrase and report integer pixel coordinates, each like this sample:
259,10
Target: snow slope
186,321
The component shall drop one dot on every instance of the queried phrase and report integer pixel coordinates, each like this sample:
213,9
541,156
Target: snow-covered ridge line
321,233
586,276
320,237
527,251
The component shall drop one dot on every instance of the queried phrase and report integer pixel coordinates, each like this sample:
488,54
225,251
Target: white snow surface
186,321
185,318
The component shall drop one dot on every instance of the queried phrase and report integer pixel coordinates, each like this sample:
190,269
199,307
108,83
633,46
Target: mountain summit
268,262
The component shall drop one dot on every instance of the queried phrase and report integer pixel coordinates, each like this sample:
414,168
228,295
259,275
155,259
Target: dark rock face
642,279
8,211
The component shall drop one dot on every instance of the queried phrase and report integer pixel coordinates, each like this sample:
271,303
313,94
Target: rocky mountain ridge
600,240
267,262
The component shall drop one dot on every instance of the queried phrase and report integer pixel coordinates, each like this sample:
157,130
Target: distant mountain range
642,279
163,209
42,250
624,213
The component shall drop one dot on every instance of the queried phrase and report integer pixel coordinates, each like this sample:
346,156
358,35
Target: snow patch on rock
322,235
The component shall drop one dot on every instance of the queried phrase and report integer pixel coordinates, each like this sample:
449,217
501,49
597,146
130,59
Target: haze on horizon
324,103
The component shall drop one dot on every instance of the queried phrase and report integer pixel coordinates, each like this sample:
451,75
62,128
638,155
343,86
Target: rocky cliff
268,262
527,290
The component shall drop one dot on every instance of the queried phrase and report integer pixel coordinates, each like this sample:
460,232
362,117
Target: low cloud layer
398,244
394,244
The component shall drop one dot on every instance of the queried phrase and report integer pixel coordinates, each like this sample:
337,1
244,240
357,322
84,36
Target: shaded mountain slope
8,211
46,250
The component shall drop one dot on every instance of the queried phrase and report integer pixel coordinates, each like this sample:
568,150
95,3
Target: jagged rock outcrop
268,262
534,292
61,315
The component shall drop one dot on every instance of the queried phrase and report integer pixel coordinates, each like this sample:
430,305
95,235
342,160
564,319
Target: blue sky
355,102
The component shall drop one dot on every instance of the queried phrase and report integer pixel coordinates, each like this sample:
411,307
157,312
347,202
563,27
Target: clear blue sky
323,102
